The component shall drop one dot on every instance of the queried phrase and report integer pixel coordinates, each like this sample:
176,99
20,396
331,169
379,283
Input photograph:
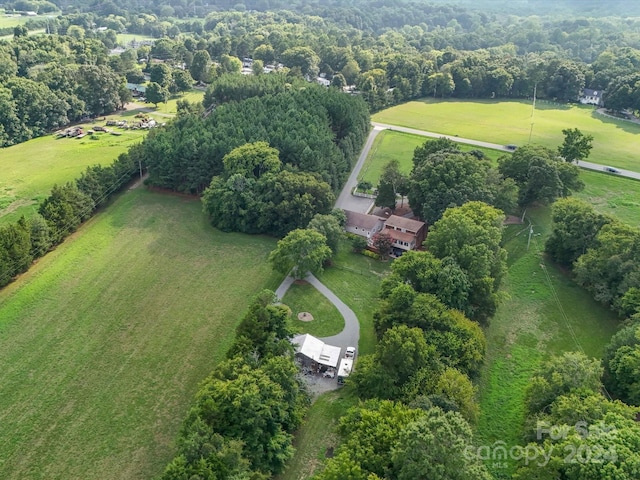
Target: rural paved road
347,201
586,165
350,335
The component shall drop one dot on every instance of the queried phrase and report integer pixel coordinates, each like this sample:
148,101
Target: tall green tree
300,252
562,375
575,227
392,183
434,447
156,93
471,235
329,226
252,160
576,145
621,366
540,175
447,179
200,66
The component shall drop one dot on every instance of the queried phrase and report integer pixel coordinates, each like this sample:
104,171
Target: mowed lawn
616,142
305,298
104,341
124,39
391,145
7,21
30,169
611,194
543,313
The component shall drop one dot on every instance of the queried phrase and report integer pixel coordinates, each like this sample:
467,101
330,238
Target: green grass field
615,141
318,438
12,21
613,195
544,313
104,341
124,39
30,169
610,194
390,145
171,107
327,320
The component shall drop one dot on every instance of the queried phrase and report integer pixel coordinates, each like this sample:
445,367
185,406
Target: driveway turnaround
350,335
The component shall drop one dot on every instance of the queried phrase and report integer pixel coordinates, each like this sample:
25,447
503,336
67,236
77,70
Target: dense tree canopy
540,174
188,153
300,252
574,229
383,439
471,236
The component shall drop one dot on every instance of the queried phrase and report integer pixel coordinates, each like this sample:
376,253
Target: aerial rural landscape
340,240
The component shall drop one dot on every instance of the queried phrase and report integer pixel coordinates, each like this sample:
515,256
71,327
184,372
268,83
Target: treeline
443,176
315,130
575,424
60,214
421,403
476,57
603,253
255,194
242,422
47,82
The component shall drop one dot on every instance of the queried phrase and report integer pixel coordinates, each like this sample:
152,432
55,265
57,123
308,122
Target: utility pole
533,109
530,234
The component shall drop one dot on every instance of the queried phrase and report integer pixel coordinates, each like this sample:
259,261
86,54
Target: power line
558,302
76,219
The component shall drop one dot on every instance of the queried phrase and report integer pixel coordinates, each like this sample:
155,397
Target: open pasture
391,145
30,169
616,142
104,341
544,313
125,39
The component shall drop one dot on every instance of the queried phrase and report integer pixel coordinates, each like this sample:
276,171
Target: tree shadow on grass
627,126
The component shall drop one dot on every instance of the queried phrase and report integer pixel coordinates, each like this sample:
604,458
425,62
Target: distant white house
591,97
323,81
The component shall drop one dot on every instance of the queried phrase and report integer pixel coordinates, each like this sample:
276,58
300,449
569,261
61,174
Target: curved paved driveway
350,335
583,164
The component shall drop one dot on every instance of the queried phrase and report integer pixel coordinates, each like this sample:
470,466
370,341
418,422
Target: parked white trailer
344,369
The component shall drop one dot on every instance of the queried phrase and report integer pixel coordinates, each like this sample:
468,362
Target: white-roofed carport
313,349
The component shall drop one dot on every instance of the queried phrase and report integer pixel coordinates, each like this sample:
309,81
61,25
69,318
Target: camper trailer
344,370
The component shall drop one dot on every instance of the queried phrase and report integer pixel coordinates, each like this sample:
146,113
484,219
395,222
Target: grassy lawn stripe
104,342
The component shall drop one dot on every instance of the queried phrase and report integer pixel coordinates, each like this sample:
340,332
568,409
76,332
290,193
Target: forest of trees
390,54
268,153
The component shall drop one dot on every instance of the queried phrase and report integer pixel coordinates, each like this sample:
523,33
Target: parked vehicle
350,353
344,370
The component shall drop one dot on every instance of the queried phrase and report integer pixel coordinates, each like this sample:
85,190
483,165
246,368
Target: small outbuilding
313,352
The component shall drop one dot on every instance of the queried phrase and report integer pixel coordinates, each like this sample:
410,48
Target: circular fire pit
305,317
